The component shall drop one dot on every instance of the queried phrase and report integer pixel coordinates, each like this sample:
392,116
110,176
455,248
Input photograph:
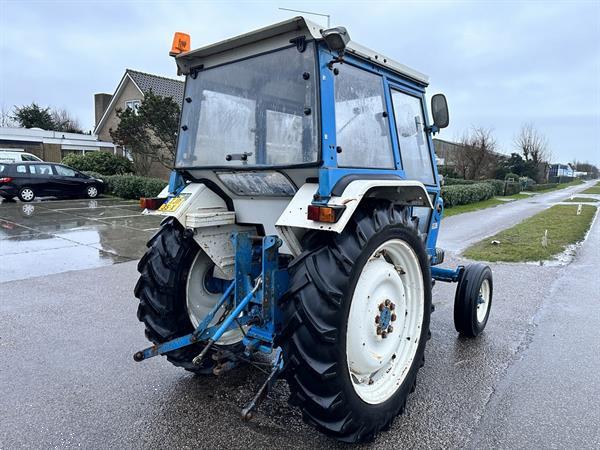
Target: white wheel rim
378,365
200,301
92,191
27,194
483,300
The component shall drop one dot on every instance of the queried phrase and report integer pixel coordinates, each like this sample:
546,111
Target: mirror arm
433,129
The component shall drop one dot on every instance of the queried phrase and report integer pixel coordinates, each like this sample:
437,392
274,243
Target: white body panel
402,191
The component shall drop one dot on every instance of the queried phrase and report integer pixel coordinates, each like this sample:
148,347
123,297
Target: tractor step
438,258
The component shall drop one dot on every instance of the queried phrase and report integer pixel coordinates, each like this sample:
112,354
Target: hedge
130,186
101,162
464,194
542,187
498,186
457,181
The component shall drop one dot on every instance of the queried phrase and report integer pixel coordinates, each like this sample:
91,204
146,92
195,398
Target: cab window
40,169
412,138
362,129
65,171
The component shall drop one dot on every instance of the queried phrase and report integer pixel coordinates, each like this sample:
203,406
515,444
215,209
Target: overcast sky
499,63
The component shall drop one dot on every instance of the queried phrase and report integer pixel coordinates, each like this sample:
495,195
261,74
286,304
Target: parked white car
15,156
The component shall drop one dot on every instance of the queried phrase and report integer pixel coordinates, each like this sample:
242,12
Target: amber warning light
181,43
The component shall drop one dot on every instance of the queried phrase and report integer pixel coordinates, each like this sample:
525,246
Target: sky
500,63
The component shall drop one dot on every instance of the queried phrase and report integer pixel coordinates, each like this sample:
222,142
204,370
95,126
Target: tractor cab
290,105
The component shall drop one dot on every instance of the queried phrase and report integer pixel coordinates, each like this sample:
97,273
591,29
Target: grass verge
523,242
489,203
595,189
581,199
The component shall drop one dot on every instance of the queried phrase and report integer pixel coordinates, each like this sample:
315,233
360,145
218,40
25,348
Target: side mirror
439,111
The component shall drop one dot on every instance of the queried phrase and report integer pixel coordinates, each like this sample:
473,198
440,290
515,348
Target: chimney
101,102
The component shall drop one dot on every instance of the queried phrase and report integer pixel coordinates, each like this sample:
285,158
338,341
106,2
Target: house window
133,104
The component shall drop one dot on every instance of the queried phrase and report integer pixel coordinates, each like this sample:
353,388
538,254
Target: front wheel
473,300
357,321
91,191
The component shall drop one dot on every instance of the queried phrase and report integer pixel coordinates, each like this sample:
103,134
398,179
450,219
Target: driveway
46,237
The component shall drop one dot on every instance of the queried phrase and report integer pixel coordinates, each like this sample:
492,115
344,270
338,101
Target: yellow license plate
172,205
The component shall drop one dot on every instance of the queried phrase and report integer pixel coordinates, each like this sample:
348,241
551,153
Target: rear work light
5,180
330,214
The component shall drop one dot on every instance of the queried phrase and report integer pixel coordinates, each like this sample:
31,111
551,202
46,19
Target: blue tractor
301,221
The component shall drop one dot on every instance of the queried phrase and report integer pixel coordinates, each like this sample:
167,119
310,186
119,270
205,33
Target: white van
13,155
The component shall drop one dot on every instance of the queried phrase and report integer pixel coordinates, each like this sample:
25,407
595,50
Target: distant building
129,94
561,170
51,146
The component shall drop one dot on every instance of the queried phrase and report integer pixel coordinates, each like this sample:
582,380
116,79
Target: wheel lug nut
387,302
394,317
390,329
381,307
371,381
377,319
392,307
384,334
379,330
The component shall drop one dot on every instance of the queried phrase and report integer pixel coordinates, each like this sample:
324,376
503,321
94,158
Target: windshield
260,111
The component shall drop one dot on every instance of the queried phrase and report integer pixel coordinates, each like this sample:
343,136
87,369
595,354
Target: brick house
129,94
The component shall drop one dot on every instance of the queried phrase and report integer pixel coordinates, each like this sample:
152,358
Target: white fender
404,192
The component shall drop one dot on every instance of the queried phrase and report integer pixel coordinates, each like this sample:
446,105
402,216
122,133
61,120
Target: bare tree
65,122
532,144
477,157
6,118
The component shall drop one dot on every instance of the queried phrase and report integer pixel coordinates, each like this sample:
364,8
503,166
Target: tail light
6,180
151,203
330,214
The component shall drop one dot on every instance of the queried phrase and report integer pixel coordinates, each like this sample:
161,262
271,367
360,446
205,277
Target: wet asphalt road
67,377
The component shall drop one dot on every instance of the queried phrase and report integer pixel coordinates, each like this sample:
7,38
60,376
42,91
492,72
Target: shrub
514,176
130,186
101,162
542,187
457,181
465,194
498,186
512,187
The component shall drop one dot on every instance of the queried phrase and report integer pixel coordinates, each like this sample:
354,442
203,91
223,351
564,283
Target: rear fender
294,222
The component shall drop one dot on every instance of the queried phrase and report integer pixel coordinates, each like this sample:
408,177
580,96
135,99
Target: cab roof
295,27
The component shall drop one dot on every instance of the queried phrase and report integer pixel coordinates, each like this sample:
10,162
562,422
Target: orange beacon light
181,43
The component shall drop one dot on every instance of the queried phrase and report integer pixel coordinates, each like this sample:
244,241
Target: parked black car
28,180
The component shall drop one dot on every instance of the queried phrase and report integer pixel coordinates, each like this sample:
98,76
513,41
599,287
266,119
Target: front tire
170,271
473,300
91,191
342,286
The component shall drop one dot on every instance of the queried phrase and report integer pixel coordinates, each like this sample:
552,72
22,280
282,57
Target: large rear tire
173,296
349,379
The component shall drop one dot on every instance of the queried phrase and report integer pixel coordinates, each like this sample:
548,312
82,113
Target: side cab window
412,137
362,128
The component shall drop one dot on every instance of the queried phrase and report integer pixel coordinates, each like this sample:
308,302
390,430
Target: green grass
490,202
523,242
595,189
581,199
